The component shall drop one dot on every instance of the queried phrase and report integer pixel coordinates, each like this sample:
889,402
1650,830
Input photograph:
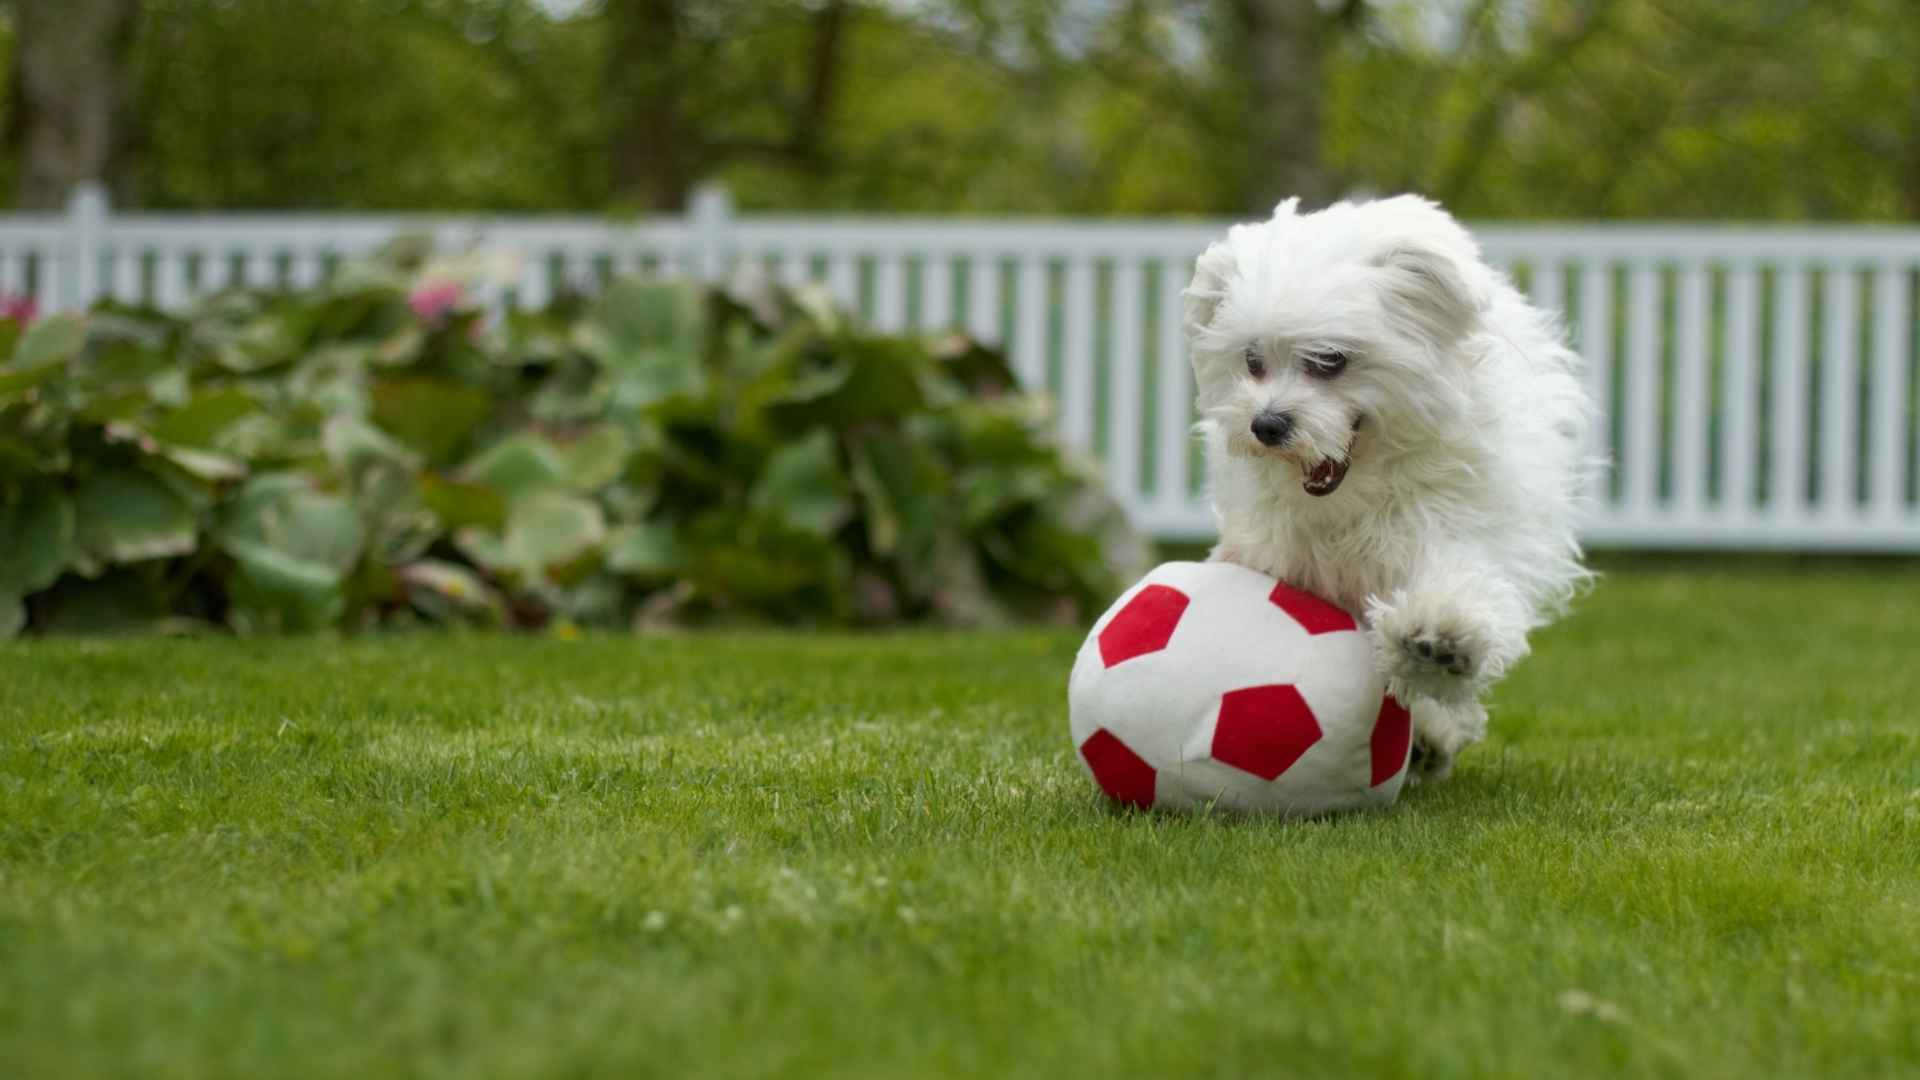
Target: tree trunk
1281,41
70,94
823,81
1913,163
660,144
653,160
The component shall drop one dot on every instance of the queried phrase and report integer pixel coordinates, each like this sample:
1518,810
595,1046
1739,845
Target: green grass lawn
1692,848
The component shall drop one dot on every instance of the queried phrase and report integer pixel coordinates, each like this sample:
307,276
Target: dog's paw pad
1437,652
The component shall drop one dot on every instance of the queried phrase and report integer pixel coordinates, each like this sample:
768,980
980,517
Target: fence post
710,213
87,210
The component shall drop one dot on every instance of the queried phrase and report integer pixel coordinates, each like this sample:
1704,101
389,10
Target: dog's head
1308,327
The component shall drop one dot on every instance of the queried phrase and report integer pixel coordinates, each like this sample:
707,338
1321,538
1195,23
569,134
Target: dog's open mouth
1323,478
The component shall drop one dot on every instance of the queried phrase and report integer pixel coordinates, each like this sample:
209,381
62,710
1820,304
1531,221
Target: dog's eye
1325,365
1255,366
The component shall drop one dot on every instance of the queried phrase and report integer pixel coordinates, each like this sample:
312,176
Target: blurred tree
1281,42
1767,109
693,86
369,103
1512,108
69,120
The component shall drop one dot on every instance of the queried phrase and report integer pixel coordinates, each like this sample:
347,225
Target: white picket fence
1757,382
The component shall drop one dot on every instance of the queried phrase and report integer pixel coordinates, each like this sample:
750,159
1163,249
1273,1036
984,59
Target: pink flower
433,300
21,309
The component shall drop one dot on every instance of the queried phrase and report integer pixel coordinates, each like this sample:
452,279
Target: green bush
381,451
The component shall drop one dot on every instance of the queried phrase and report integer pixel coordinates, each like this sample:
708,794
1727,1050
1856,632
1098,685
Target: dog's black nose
1272,428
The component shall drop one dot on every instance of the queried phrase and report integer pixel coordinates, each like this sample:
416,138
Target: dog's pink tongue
1325,477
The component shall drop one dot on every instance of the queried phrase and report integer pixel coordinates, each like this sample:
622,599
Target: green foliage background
1764,109
380,451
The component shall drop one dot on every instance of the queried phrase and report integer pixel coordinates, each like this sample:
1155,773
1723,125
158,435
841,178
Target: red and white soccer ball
1211,684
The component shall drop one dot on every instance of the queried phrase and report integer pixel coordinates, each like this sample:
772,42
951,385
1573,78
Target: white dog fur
1372,337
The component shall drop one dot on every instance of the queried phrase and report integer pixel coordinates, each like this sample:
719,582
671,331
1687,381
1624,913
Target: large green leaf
205,464
255,497
1004,431
804,487
43,352
401,346
596,458
903,489
36,539
56,339
488,549
571,395
854,380
382,476
549,530
355,447
646,385
987,492
13,616
434,415
294,547
649,551
15,382
246,333
205,416
283,514
117,405
120,360
458,505
637,318
126,515
277,592
22,457
278,571
329,380
519,465
979,371
651,336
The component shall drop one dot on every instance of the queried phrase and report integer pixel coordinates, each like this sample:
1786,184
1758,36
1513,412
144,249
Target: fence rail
1757,383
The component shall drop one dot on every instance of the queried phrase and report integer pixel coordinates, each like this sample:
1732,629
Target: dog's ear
1430,267
1203,295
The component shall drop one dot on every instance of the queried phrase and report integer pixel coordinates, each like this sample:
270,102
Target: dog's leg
1449,634
1439,733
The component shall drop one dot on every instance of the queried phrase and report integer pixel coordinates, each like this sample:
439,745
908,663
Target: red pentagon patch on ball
1121,773
1392,737
1145,625
1264,729
1314,615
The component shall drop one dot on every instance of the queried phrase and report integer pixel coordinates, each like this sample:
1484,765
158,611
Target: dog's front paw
1430,662
1428,762
1430,650
1439,733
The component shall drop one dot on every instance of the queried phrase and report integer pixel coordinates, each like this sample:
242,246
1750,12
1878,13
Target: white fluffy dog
1391,425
